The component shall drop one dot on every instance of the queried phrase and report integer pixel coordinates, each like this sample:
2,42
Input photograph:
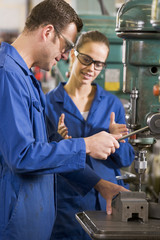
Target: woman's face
98,51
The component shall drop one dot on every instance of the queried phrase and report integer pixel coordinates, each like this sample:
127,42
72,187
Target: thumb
109,207
112,118
62,118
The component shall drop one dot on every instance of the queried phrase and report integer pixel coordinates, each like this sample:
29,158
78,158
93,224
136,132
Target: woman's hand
62,129
115,128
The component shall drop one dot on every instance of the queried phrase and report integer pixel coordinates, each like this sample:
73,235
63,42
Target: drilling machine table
99,225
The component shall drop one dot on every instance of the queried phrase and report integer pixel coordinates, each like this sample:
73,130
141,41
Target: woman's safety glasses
87,60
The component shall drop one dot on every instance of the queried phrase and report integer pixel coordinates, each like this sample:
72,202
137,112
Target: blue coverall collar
13,53
62,97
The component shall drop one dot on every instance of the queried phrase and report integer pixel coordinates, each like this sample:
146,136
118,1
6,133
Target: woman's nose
91,67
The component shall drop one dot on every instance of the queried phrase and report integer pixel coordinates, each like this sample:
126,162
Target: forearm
82,181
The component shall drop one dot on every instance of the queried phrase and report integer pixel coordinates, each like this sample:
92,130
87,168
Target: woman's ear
72,55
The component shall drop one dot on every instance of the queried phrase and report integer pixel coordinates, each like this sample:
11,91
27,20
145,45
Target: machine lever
134,132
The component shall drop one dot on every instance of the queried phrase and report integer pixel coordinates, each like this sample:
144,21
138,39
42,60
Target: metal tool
153,121
133,133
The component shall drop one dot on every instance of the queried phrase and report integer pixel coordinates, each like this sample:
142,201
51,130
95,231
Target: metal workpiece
99,225
130,206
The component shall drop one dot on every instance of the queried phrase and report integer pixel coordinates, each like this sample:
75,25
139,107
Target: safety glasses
68,44
87,60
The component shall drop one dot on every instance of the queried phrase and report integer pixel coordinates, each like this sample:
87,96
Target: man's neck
23,44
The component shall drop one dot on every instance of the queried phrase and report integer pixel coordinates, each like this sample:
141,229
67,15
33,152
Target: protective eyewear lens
87,60
69,44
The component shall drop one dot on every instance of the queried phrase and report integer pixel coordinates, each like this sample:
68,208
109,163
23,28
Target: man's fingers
115,142
116,136
113,150
109,207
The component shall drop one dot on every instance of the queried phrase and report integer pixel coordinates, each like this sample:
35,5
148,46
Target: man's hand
101,145
62,129
108,190
115,128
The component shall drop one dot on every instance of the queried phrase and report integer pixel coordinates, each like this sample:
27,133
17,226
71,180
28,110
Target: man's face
56,48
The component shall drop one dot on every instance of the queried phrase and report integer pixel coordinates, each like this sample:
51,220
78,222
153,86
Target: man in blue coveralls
28,163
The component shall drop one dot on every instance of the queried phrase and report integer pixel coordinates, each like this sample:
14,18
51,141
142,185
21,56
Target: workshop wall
13,13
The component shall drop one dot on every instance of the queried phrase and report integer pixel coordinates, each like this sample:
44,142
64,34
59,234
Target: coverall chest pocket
38,121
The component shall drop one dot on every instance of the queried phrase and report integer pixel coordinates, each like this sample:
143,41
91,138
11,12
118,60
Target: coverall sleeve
82,181
22,151
53,135
124,156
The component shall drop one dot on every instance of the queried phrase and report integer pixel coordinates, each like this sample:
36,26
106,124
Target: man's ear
47,32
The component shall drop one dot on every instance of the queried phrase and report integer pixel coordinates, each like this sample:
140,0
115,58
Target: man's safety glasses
87,60
68,44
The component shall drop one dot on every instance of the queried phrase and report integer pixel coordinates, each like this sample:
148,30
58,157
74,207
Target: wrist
87,142
99,185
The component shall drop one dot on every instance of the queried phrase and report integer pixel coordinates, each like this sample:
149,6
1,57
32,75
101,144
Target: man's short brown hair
56,12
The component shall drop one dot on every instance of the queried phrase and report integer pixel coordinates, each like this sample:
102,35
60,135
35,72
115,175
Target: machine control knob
157,123
153,121
156,90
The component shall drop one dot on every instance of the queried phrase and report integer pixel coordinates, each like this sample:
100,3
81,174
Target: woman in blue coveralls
87,109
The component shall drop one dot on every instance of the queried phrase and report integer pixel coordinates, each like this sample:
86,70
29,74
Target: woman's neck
78,90
82,95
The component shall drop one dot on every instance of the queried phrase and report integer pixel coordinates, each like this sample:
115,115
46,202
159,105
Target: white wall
13,12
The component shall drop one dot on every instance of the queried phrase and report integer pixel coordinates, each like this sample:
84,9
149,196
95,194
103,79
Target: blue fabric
69,202
28,162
